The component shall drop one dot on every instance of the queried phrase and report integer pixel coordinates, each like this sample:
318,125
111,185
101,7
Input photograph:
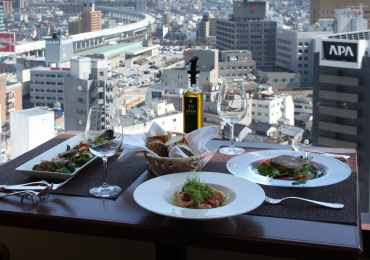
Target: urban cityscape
304,65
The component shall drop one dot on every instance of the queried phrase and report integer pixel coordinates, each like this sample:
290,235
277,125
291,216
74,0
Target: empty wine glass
231,107
104,136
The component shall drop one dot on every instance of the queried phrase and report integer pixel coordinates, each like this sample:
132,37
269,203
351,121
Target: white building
30,128
295,48
349,20
272,109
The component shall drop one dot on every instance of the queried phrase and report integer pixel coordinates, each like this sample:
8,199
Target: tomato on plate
265,162
299,177
83,149
212,201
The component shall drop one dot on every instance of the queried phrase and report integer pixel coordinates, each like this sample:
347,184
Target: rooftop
109,50
275,69
33,112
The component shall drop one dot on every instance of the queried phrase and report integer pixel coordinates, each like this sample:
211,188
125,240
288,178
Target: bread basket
165,165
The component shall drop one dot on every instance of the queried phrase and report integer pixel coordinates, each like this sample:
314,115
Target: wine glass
104,136
231,107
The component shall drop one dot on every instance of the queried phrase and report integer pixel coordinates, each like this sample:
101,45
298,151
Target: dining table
293,229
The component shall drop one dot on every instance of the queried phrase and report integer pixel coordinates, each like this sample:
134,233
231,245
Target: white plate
157,195
26,168
245,166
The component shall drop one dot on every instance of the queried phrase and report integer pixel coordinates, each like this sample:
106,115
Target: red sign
7,42
57,68
189,53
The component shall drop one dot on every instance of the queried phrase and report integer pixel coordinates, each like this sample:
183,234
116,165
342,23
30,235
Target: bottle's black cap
193,69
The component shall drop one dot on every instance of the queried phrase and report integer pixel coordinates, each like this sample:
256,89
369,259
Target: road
128,95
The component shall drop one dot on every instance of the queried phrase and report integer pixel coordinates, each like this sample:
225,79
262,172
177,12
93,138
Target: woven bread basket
165,165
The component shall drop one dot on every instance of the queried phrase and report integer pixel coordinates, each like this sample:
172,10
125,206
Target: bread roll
162,138
158,147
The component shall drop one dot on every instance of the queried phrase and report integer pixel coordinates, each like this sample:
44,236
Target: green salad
68,161
310,171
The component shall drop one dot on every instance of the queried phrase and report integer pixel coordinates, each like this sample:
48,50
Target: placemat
119,174
344,192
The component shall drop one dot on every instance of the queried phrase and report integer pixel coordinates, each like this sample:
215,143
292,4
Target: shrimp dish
196,195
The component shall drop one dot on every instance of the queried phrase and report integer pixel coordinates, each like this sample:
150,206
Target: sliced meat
287,163
67,153
47,166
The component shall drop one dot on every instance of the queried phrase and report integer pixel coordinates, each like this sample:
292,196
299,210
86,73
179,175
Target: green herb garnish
196,190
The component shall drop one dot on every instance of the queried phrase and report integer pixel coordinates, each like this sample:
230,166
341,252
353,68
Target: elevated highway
138,22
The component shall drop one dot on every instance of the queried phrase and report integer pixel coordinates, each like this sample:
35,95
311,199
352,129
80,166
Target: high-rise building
325,8
87,87
90,19
140,6
74,27
249,30
2,25
19,4
167,18
341,99
7,6
71,8
47,85
295,47
206,27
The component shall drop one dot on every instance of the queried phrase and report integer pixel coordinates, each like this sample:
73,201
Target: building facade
341,99
71,8
294,51
90,19
236,64
206,27
325,8
47,85
207,65
87,87
271,108
249,29
7,6
29,129
2,25
10,100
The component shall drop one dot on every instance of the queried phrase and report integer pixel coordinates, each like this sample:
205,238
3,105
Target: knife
19,187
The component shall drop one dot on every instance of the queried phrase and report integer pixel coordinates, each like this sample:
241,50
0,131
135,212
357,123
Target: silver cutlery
29,193
325,204
335,156
38,185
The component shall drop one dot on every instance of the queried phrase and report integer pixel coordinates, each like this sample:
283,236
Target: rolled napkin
196,140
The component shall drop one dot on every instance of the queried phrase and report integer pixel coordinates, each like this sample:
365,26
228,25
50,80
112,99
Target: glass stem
105,171
232,136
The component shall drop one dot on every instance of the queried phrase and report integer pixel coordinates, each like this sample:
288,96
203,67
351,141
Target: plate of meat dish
60,162
286,168
199,195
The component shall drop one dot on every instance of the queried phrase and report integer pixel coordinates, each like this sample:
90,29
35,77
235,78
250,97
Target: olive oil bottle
193,100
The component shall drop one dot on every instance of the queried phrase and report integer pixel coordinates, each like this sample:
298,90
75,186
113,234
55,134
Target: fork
325,204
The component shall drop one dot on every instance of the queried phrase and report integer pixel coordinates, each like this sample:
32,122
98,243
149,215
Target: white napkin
197,141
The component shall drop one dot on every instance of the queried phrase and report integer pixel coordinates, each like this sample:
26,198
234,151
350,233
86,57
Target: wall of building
341,99
30,128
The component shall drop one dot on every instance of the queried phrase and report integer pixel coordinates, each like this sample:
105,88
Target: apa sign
340,51
7,42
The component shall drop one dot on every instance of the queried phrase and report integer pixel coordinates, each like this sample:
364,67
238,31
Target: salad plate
245,166
26,168
157,195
